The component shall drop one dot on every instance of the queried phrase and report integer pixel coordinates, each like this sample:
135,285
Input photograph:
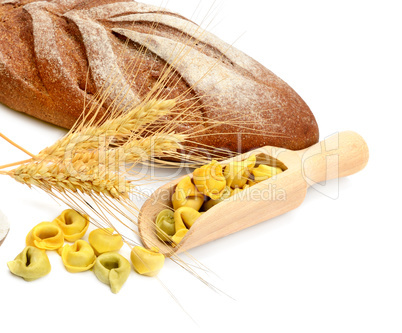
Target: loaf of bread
55,55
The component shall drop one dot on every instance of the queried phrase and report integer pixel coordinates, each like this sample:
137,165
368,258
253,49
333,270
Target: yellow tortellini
165,226
235,191
112,269
46,236
147,262
178,236
263,172
73,224
104,240
187,195
78,257
238,172
210,203
31,264
184,218
245,187
210,180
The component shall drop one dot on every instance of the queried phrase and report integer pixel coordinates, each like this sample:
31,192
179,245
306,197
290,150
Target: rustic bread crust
48,47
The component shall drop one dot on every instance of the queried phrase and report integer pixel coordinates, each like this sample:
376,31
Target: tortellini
184,218
263,172
165,226
210,180
112,269
73,224
238,172
31,264
187,195
45,236
104,240
178,236
210,203
147,262
78,257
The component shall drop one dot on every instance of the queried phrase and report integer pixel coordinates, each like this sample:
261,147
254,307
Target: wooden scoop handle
339,155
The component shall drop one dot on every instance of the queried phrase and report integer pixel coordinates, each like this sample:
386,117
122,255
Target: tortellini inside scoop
237,172
31,264
104,240
73,224
187,195
147,262
184,219
178,236
78,257
112,269
263,172
165,226
210,203
46,236
210,180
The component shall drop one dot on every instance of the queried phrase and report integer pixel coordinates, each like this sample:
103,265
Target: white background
332,265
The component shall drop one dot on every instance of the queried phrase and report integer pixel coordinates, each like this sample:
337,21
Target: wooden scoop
340,155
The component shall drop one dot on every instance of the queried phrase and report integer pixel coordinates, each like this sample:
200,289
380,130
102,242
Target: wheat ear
78,176
111,130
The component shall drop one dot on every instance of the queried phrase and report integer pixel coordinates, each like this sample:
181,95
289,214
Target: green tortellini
165,225
112,269
31,264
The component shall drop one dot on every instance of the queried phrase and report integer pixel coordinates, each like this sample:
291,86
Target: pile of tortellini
100,253
210,185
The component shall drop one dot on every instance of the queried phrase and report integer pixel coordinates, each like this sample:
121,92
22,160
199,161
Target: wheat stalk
111,130
88,178
97,171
